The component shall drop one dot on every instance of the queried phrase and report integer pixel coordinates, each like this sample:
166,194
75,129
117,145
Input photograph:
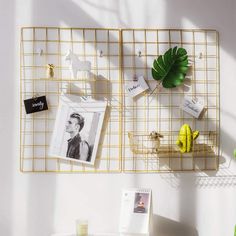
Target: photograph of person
77,148
77,130
141,202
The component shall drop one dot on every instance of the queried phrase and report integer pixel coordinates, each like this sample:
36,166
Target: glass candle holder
81,227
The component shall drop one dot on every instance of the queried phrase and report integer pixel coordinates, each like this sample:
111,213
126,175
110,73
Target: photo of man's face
72,125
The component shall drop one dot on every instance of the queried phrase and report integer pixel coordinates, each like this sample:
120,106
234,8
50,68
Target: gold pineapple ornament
50,70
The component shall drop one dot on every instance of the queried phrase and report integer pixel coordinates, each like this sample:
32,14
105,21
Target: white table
100,234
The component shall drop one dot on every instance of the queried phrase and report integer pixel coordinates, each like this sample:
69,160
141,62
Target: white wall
184,204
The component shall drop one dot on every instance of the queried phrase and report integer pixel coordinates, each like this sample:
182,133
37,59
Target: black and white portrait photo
77,129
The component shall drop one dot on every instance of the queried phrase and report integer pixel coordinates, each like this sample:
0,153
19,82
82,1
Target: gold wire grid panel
41,46
160,110
116,56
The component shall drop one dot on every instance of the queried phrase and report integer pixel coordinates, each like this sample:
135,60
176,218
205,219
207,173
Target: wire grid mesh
116,56
41,46
160,111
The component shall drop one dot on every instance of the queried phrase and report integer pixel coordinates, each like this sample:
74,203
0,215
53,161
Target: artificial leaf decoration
171,67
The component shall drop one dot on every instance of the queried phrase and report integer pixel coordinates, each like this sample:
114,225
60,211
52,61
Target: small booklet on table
136,213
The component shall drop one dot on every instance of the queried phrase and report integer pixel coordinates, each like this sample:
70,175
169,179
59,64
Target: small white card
134,88
192,106
135,215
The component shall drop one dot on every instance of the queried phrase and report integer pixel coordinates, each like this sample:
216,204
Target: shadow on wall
223,178
198,13
71,14
166,227
228,146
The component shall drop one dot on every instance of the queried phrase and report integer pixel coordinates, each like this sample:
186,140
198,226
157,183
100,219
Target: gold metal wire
160,110
126,53
36,129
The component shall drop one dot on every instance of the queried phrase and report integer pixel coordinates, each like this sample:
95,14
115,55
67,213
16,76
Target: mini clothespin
139,53
100,53
40,51
35,96
135,79
200,55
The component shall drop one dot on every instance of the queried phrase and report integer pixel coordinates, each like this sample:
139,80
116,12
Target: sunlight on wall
186,23
94,11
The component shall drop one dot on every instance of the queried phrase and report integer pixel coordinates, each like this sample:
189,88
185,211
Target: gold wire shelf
125,53
144,144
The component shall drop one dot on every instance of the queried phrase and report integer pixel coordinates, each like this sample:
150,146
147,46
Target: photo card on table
136,211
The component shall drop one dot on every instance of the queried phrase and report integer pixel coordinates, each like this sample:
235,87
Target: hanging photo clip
35,104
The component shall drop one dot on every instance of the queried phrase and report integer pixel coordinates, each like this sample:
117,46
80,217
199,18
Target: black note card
35,104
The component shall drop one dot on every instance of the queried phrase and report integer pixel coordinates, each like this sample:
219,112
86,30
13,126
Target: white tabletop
99,234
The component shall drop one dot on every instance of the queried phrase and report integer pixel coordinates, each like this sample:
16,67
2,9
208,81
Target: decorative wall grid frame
117,56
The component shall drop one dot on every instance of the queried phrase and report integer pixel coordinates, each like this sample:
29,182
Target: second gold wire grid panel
117,56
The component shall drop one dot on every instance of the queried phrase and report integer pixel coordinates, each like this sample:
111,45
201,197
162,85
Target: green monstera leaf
171,67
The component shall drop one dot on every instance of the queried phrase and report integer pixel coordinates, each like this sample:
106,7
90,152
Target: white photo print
77,129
